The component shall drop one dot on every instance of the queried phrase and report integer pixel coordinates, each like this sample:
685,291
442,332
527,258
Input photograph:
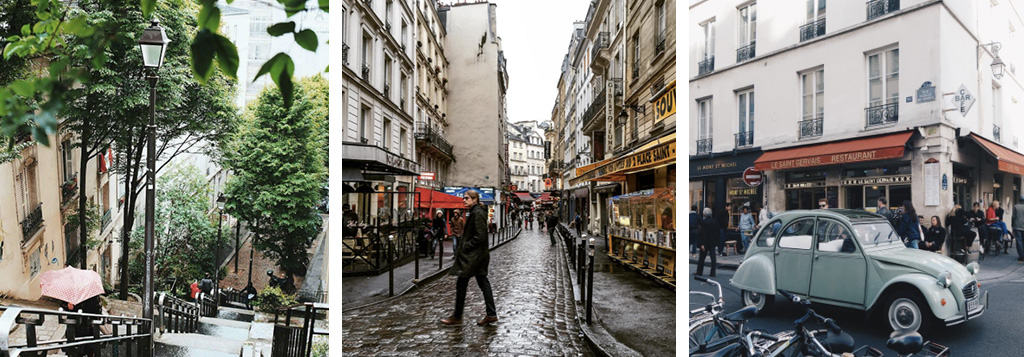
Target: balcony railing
706,66
32,222
69,190
635,72
344,53
812,29
366,73
430,136
596,106
810,128
878,8
995,132
105,220
746,52
703,146
744,139
660,47
600,43
881,114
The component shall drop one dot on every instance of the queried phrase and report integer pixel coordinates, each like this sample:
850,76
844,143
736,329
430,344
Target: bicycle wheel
707,331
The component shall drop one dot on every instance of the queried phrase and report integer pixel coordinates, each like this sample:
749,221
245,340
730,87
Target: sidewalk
632,314
362,290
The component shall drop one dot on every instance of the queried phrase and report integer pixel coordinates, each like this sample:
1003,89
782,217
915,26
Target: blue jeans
1001,225
914,243
746,241
1020,243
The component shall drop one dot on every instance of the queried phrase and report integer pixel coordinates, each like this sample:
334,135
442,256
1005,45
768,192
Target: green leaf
281,28
40,135
284,83
13,48
26,30
147,8
79,26
204,48
209,18
275,65
24,88
307,39
324,4
227,56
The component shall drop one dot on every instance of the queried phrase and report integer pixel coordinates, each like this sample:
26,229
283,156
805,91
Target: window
387,134
745,136
815,25
405,30
387,76
812,93
387,14
27,195
67,163
659,36
402,139
997,112
815,10
367,55
708,30
766,238
748,25
834,237
636,55
797,235
883,87
365,124
704,118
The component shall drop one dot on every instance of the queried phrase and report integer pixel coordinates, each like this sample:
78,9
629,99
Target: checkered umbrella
71,285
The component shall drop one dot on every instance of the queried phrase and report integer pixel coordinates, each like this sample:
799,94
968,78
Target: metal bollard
416,254
590,282
582,261
391,267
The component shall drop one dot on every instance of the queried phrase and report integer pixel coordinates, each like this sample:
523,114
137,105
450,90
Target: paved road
533,300
996,333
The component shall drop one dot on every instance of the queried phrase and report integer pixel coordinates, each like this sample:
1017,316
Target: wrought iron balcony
635,72
387,90
105,220
31,224
596,106
600,44
744,139
995,132
703,146
556,166
366,73
810,128
812,29
882,114
878,8
706,66
344,53
660,47
69,190
746,52
428,136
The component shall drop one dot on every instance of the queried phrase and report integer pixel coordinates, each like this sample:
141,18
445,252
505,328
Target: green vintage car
854,259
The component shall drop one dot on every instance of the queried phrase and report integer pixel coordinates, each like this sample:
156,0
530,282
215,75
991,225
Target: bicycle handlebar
700,279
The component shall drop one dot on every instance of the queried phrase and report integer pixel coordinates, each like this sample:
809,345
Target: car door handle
816,257
777,253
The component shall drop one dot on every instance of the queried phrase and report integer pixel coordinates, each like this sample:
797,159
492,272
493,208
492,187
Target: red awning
546,196
432,199
525,197
890,146
1009,161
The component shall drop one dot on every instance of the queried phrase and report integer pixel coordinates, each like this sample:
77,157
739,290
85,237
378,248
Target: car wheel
759,300
907,312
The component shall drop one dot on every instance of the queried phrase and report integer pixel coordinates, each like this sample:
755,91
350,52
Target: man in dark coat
552,223
709,235
471,260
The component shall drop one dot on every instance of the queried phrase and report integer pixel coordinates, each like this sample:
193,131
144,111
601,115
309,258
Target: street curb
587,331
427,279
729,266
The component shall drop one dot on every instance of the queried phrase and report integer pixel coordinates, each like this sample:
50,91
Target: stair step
228,329
194,344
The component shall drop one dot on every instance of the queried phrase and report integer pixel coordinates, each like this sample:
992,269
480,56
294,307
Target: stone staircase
220,336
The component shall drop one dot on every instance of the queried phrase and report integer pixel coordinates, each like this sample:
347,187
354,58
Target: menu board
932,181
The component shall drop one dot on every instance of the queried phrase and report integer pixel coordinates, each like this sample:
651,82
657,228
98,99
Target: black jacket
709,232
472,255
552,221
935,235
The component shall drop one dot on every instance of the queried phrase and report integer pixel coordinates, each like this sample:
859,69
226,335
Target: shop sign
809,184
877,180
848,157
957,180
666,104
427,176
400,162
752,191
656,155
945,182
753,177
963,100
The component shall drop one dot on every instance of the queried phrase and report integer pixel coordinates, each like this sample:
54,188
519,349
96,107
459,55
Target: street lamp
153,45
216,257
997,63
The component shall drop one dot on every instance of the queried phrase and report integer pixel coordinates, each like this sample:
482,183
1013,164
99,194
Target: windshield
876,233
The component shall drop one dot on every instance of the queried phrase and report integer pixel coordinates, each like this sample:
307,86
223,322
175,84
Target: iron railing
660,47
812,29
230,295
878,8
344,53
706,66
812,127
995,132
882,114
703,146
297,340
176,315
105,220
635,72
601,42
428,135
366,73
367,253
128,335
744,138
746,52
596,106
207,305
69,190
32,223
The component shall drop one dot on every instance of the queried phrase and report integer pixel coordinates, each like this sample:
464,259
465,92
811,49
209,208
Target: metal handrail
746,52
177,315
706,66
882,114
601,42
13,315
811,127
207,306
433,137
703,146
595,106
295,340
812,29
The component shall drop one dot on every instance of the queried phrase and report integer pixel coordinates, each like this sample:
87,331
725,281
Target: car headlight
973,268
944,279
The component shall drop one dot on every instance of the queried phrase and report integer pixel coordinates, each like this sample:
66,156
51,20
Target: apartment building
434,151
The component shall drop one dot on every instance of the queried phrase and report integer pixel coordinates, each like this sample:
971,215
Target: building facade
526,155
433,150
903,100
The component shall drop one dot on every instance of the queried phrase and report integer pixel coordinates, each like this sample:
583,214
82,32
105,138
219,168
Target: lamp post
997,63
216,257
153,45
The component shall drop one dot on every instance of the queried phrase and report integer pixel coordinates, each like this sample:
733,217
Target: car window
766,237
833,236
876,233
797,235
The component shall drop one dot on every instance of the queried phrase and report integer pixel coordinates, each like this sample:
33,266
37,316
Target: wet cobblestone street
534,303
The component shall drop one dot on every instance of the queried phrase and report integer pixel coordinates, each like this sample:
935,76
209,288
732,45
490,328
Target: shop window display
643,235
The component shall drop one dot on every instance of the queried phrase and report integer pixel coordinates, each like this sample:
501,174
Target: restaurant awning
432,199
545,197
889,146
363,159
1009,161
525,197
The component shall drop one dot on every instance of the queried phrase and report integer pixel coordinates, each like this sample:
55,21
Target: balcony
746,52
812,29
596,107
32,223
744,139
366,73
599,53
427,136
877,8
105,220
635,72
660,47
703,146
556,166
387,90
811,128
995,132
69,190
882,114
344,53
706,66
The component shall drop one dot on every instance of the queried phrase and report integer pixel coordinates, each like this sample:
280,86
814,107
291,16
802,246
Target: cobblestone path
534,303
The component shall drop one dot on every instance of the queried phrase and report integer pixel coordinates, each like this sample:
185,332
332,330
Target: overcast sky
535,36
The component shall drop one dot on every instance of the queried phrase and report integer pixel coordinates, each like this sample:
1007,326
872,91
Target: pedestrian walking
458,226
578,223
910,226
471,261
709,234
882,208
694,229
935,236
746,227
552,223
1018,228
86,329
977,217
206,285
959,227
194,290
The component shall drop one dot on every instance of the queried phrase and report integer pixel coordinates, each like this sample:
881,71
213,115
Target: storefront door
805,198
